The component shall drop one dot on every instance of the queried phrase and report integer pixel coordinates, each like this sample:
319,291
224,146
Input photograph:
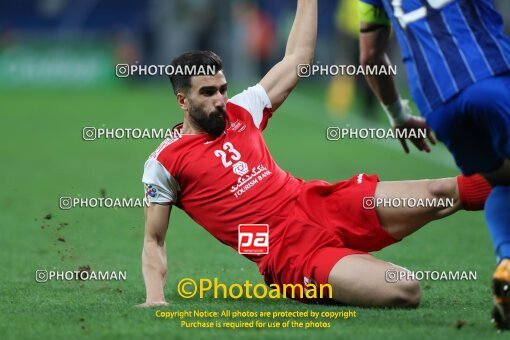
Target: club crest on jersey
240,168
150,192
237,126
231,158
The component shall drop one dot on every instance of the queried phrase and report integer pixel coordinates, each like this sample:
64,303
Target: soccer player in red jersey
220,172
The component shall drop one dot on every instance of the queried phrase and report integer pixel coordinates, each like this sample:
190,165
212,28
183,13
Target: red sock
473,191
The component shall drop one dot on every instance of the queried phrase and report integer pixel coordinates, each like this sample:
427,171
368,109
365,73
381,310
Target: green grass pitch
44,157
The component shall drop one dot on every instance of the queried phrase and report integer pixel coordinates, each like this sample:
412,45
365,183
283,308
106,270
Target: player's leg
363,280
476,129
440,198
488,105
497,210
497,214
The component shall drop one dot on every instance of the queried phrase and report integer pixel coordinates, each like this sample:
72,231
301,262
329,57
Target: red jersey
225,181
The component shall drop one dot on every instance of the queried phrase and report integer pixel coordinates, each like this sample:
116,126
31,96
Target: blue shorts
475,125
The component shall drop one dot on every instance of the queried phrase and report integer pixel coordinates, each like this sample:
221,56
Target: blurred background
76,43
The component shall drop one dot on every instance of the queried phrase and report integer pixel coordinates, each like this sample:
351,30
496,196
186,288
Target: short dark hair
193,58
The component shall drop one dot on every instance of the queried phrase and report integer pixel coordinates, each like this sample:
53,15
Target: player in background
221,174
458,67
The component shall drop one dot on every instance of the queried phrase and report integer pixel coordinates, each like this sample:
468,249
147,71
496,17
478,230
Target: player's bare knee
407,294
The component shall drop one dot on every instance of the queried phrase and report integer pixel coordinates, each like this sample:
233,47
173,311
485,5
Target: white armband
399,112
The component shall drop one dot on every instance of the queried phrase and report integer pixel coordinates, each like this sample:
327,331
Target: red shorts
327,223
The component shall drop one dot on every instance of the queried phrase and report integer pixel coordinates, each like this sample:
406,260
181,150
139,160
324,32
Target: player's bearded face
211,122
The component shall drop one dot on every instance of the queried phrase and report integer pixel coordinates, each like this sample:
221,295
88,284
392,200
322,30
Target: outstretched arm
373,44
283,77
154,261
375,33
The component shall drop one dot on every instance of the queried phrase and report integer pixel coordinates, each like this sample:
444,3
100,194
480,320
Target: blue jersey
447,45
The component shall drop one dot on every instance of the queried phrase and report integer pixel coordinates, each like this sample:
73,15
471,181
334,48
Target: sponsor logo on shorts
359,179
310,281
253,239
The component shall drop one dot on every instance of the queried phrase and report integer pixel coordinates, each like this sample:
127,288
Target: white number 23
230,153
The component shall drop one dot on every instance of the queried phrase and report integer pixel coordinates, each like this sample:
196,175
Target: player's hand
148,304
416,123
